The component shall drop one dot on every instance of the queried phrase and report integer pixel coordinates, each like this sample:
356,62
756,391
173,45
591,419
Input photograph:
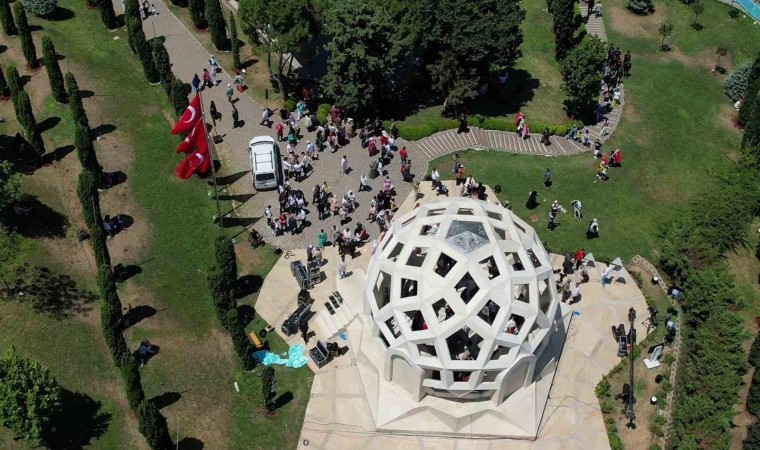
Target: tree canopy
582,73
29,396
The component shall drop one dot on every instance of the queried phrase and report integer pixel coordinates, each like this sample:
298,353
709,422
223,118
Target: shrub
25,34
153,426
234,44
752,130
615,442
50,59
290,105
130,372
4,90
753,396
323,111
107,14
85,149
163,65
606,406
603,388
179,96
736,83
132,23
641,7
753,437
216,25
753,87
240,341
6,19
145,53
197,13
220,294
41,8
754,352
109,323
267,388
734,13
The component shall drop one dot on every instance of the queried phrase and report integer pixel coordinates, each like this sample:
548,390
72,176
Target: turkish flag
199,161
188,118
189,143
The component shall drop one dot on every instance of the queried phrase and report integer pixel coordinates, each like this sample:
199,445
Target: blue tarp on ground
293,358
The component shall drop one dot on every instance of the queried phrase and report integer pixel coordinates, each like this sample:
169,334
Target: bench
255,340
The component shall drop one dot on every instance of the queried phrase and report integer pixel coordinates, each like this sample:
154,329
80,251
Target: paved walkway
189,57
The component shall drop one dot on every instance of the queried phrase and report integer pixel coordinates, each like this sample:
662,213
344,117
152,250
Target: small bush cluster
222,284
41,8
736,83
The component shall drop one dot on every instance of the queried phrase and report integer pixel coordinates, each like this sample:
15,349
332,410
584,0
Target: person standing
344,165
403,154
577,212
268,215
229,92
363,182
212,64
579,255
235,117
342,267
593,229
552,217
265,118
606,276
548,178
196,83
575,297
292,224
213,112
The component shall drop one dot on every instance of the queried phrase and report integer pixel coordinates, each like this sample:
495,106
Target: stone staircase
594,25
327,325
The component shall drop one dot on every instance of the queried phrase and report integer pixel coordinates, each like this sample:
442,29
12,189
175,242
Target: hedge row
222,284
151,423
417,132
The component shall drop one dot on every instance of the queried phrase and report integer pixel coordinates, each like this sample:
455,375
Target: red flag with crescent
189,143
199,161
188,118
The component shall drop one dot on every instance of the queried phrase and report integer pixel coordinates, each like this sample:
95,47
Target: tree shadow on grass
3,48
521,88
53,294
249,284
191,443
49,123
57,154
102,130
166,399
38,221
283,400
80,420
139,313
62,14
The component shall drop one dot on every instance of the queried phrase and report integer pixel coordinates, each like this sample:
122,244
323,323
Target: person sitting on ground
145,351
255,239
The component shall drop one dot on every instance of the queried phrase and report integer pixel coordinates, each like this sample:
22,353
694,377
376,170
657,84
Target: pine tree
564,27
197,13
216,24
50,59
130,372
179,96
163,65
234,46
14,83
25,33
4,90
75,100
25,117
107,14
6,18
753,87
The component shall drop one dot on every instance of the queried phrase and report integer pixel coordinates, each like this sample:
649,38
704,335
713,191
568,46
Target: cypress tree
197,10
6,18
50,59
216,24
26,118
163,65
753,87
130,372
75,100
25,33
564,27
132,9
226,260
87,191
133,25
85,149
14,83
234,47
146,56
179,96
4,90
267,389
153,426
107,14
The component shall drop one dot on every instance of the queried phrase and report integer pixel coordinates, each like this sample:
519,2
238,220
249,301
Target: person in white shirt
576,294
363,182
435,176
309,148
352,200
268,215
606,276
344,165
577,213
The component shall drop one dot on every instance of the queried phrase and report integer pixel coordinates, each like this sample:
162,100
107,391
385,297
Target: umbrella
617,263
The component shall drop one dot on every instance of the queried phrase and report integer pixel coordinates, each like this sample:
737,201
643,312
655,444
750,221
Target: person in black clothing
532,202
463,127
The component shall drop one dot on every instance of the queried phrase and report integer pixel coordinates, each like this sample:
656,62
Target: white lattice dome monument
463,299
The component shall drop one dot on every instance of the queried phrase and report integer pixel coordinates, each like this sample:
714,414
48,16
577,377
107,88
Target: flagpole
213,170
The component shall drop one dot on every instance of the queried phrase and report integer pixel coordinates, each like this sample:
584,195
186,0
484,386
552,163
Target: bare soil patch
625,22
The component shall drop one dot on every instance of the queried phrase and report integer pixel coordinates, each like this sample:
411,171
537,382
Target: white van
266,164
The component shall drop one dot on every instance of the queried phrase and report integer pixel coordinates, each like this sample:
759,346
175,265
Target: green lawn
196,359
674,136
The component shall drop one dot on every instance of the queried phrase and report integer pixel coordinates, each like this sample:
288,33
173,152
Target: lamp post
631,398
